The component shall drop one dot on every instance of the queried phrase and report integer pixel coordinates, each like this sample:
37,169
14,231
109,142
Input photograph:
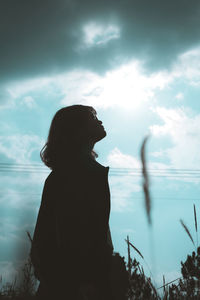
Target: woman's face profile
95,129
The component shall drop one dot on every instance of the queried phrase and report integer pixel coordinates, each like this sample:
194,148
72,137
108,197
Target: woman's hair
66,135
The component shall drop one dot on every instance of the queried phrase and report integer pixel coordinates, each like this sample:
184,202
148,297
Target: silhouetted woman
71,250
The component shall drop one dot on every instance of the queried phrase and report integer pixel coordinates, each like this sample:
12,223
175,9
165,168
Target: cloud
17,200
187,66
122,186
125,86
182,127
8,230
179,96
41,38
5,97
13,231
116,159
29,102
20,148
99,34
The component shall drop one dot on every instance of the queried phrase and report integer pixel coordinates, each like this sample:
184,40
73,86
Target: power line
133,172
39,165
117,174
112,196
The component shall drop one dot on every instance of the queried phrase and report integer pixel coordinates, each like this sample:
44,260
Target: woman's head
74,130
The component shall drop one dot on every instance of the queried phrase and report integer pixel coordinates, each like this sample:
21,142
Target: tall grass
187,231
196,226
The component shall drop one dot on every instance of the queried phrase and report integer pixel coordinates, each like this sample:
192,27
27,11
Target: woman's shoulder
99,168
76,172
54,181
57,187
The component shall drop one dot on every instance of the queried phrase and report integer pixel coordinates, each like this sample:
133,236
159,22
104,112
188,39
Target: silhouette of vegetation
189,286
23,287
141,286
128,282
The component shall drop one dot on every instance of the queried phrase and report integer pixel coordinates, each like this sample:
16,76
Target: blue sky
140,82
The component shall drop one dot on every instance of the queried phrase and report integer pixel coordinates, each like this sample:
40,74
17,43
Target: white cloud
126,178
98,34
6,99
12,230
122,190
159,153
123,186
20,147
187,66
127,86
19,89
116,159
179,96
18,92
13,198
183,128
29,102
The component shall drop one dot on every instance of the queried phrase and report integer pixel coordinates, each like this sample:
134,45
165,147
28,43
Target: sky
138,64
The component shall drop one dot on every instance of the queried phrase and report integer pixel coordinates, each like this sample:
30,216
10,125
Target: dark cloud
42,37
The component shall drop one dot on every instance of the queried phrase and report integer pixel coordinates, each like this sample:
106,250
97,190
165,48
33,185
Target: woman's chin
100,135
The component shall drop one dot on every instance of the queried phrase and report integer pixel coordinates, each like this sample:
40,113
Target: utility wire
112,173
188,176
133,172
39,165
113,196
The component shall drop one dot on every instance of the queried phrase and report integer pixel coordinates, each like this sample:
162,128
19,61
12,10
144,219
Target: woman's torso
72,225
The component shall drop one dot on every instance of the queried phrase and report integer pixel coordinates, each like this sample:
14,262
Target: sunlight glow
125,87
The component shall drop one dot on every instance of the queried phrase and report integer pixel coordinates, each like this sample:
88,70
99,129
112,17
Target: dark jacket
71,233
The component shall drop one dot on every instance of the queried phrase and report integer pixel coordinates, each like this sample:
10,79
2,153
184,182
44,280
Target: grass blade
29,236
187,231
164,284
196,226
145,180
129,243
129,256
195,218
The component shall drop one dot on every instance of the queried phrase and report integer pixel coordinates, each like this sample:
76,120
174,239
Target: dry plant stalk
196,226
170,282
129,243
164,283
165,295
146,180
187,231
129,256
29,236
153,288
195,218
